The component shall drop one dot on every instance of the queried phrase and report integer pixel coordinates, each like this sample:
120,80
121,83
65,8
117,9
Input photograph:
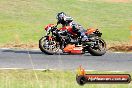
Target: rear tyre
99,50
48,46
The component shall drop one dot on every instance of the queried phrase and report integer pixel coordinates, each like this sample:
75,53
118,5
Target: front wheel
98,49
49,47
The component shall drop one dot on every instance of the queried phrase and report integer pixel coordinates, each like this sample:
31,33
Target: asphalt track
35,59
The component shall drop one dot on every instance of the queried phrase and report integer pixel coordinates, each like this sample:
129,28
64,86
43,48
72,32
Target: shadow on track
35,52
22,51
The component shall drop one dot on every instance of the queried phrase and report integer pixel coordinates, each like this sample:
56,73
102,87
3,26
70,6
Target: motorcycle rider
66,20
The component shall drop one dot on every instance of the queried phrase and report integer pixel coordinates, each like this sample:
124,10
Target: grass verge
23,20
48,79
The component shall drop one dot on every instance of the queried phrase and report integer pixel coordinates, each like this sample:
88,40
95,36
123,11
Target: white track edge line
52,69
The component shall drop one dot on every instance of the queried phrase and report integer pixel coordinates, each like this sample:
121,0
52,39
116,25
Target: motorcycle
65,39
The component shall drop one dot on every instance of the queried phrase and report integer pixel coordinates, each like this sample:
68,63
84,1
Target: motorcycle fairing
71,48
68,28
48,26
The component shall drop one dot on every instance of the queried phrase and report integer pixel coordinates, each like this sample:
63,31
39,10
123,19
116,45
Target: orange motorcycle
64,39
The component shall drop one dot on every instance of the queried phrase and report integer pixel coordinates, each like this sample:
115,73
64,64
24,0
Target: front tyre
48,46
98,49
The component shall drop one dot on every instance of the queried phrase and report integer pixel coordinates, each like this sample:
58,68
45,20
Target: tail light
90,30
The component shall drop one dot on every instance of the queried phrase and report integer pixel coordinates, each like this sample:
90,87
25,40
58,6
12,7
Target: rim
100,45
50,45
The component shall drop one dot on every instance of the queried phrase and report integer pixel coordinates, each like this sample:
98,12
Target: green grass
47,79
23,20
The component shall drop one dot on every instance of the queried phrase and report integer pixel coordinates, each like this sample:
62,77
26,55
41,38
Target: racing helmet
63,18
60,16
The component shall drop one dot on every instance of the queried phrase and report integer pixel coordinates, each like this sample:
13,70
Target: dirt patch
21,46
114,47
121,48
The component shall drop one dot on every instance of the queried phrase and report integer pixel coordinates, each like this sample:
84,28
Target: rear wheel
48,46
98,49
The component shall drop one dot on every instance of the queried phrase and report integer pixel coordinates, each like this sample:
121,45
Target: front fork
48,37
